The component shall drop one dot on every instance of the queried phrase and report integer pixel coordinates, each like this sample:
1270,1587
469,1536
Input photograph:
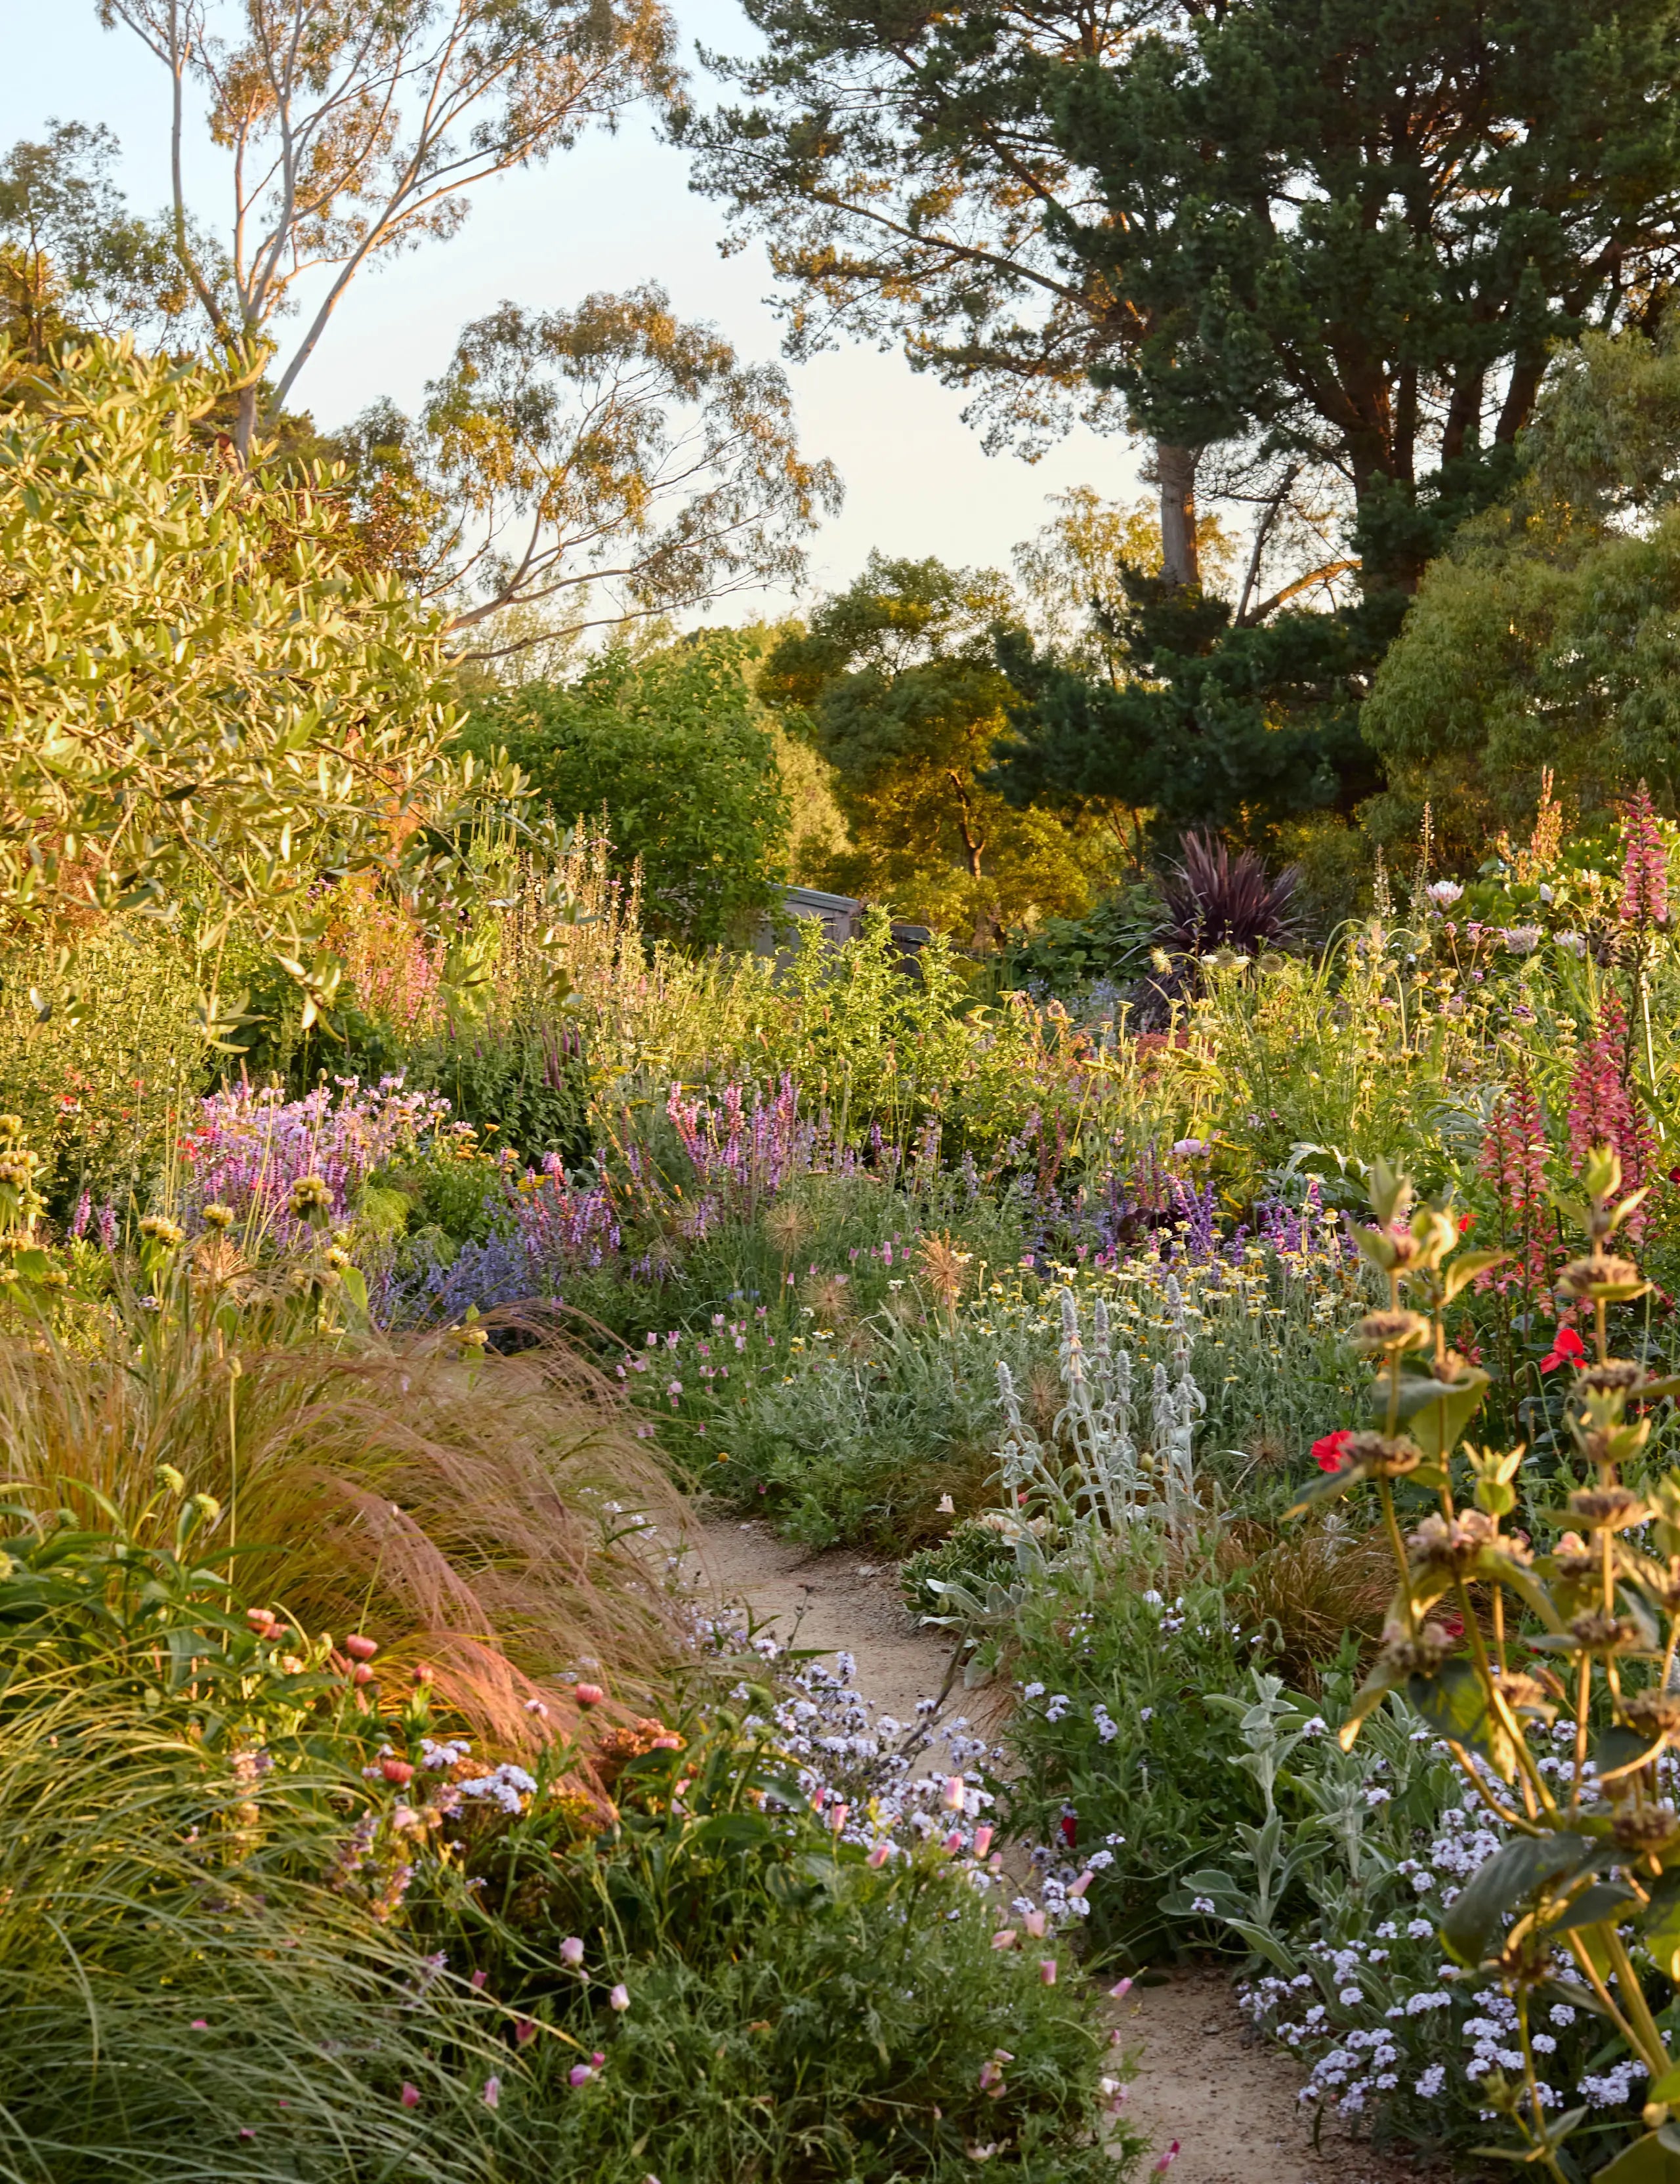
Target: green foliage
974,1554
97,1073
788,2007
1242,728
670,747
1535,640
1318,329
897,685
205,704
1064,954
624,449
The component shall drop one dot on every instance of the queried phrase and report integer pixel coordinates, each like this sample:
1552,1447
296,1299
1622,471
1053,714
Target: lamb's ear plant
1592,1871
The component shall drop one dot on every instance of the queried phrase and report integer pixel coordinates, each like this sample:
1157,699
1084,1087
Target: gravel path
1202,2079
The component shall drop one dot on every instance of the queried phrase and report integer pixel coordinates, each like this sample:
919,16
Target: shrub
670,747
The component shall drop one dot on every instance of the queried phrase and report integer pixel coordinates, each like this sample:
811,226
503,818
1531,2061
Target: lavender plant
1590,1875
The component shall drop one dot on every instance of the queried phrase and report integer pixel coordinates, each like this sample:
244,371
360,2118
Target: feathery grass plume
476,1511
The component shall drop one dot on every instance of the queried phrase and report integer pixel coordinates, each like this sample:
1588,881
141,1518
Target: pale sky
616,212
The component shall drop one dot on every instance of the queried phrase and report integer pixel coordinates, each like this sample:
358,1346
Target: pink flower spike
525,2030
571,1952
620,1998
983,1841
1046,1971
493,2092
410,2095
1166,2160
879,1856
1005,1939
1119,1993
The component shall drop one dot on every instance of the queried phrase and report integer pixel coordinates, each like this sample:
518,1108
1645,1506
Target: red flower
1452,1624
1328,1449
1566,1345
1467,1222
1070,1829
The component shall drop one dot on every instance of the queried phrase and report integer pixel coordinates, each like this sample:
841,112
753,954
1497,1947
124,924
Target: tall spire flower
1644,866
1603,1109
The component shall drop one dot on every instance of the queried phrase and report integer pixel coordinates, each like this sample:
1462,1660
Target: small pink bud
983,1841
954,1842
478,1979
1005,1939
410,2095
620,1997
199,2024
396,1770
524,2029
571,1950
359,1648
1035,1925
879,1856
1046,1971
598,2058
1166,2160
589,1695
262,1620
493,2092
1083,1882
361,1672
837,1817
955,1793
1119,1993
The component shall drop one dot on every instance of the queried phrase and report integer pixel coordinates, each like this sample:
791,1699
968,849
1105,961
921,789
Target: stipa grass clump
183,1993
490,1514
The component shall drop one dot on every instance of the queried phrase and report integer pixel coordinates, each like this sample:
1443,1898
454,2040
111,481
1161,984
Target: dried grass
472,1512
1305,1586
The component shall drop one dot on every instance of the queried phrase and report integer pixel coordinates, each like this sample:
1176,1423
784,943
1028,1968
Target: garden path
1229,2103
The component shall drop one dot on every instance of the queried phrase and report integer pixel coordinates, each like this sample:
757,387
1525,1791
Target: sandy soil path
1202,2080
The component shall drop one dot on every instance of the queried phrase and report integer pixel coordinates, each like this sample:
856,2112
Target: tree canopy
208,702
1545,636
896,683
1360,230
356,131
670,746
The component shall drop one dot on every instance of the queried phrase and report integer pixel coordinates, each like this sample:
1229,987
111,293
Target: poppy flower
1327,1450
1566,1347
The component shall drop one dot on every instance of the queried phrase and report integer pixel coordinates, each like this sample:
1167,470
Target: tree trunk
1176,476
245,424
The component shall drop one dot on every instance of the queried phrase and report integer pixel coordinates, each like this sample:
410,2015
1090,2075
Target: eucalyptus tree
356,128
